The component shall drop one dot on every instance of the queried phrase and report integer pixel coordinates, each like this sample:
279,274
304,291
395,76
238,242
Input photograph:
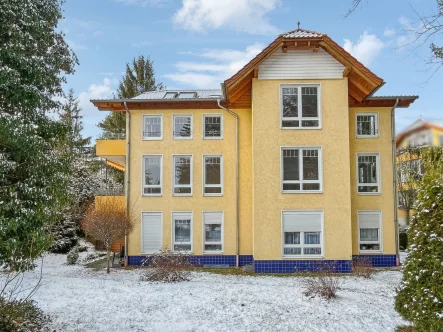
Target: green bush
22,316
72,256
420,295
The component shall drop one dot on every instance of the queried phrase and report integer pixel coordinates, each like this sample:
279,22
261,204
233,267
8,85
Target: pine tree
420,295
34,59
139,78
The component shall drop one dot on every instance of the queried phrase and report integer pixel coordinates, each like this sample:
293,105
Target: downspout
237,259
127,168
394,171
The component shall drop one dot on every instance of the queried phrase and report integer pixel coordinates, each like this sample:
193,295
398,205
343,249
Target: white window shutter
182,215
213,217
369,219
152,232
302,222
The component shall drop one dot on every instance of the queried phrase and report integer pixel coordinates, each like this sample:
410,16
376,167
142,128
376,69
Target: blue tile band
379,260
203,260
291,266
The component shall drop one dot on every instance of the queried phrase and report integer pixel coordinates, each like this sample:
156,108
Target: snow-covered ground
82,299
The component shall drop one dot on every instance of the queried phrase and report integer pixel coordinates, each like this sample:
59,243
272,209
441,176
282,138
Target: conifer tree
34,59
420,295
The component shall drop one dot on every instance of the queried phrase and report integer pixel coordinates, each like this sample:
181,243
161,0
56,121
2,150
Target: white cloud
142,3
241,15
91,115
220,64
76,47
389,32
366,49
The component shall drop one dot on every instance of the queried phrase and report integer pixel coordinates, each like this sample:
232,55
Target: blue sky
199,43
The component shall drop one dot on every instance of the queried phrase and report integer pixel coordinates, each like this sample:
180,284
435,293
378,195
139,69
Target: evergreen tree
420,296
34,59
139,78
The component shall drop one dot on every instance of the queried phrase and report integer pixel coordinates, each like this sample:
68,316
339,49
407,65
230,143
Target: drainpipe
127,191
394,170
237,260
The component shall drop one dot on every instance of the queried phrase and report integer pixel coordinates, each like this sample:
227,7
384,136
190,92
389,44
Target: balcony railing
113,136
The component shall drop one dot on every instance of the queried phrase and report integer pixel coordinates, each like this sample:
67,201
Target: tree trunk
108,252
408,216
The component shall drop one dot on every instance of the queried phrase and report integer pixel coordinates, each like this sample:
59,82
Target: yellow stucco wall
268,201
168,203
110,147
385,200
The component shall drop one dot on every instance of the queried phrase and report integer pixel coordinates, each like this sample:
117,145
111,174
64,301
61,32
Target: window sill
158,195
302,192
303,257
368,194
300,128
369,252
182,138
359,136
153,139
212,195
182,195
213,138
212,252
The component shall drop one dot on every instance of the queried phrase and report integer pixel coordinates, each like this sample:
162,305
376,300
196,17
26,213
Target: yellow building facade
288,165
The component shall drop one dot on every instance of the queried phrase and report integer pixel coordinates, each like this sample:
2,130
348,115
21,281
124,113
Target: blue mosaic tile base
291,266
380,260
204,260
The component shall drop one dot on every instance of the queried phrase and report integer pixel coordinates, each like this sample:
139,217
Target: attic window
170,95
187,95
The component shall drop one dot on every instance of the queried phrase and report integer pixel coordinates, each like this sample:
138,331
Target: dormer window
300,107
170,95
187,95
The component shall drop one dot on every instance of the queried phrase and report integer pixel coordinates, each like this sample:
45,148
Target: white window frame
174,116
221,125
191,176
377,164
222,242
145,138
380,232
377,124
302,237
301,181
300,118
143,175
141,229
204,185
173,243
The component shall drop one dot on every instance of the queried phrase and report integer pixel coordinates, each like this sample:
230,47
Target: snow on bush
420,295
72,256
323,283
167,266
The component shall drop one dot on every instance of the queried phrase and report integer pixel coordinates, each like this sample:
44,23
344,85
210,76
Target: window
182,231
301,170
369,224
300,106
152,127
182,175
302,233
170,95
152,175
213,231
213,175
151,232
182,126
367,125
213,126
368,173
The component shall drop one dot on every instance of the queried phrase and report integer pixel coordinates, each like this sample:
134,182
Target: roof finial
298,24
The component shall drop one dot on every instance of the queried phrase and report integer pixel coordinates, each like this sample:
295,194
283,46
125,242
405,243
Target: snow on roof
300,33
199,94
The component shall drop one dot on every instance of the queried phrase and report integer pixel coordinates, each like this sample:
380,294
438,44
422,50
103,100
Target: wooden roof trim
403,103
115,165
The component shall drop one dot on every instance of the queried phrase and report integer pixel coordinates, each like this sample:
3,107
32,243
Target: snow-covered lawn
82,299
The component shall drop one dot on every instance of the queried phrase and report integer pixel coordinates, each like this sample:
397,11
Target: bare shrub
108,224
362,267
167,266
323,282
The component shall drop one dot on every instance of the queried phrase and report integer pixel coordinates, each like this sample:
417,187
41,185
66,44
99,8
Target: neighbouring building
421,133
289,164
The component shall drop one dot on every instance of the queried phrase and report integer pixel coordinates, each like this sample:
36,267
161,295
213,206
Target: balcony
113,149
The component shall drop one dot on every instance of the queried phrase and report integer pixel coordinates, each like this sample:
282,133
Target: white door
151,232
